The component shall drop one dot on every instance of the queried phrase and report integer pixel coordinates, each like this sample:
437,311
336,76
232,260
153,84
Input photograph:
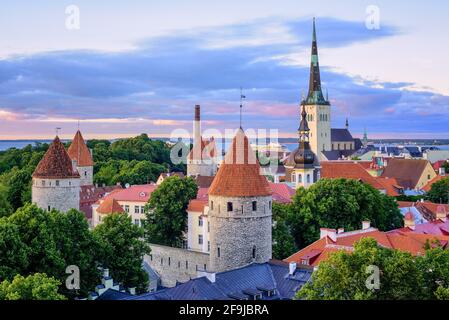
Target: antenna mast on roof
242,97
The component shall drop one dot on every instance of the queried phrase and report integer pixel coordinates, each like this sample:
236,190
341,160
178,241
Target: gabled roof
208,150
136,193
282,193
348,170
56,163
110,205
341,135
391,186
406,171
78,151
240,174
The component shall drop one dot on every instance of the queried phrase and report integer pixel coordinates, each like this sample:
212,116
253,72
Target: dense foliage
166,210
350,276
337,203
34,287
33,240
439,192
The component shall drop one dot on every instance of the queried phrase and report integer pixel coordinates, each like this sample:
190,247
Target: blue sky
141,66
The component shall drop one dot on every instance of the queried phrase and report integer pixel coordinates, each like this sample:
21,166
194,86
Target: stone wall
86,175
174,264
236,236
59,194
203,169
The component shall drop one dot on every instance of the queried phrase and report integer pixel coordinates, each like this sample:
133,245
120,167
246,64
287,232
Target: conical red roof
110,205
79,151
56,163
240,174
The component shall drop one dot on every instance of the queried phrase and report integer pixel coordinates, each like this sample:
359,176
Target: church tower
302,168
317,106
82,159
56,182
240,204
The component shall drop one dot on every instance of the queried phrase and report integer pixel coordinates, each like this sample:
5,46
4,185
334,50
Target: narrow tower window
230,206
254,205
218,252
254,252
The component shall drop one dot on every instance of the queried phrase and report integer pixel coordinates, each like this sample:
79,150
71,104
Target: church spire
315,95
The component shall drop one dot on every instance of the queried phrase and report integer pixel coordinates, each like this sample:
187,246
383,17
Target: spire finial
347,123
242,97
314,30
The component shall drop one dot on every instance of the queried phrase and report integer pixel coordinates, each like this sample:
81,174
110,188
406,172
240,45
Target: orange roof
404,241
78,151
56,163
391,186
110,205
208,149
197,205
348,170
240,174
428,186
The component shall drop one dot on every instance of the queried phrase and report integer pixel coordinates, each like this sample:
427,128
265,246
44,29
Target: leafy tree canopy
439,192
33,287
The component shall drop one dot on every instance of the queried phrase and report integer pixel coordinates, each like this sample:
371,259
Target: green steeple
315,95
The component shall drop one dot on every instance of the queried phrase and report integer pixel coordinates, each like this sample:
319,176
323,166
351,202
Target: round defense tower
56,184
240,210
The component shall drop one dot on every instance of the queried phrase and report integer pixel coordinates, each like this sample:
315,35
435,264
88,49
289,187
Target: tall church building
240,210
82,159
56,182
302,166
325,142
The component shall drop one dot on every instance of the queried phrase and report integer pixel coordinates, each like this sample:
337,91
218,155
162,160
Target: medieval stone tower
56,183
240,205
318,108
201,161
82,159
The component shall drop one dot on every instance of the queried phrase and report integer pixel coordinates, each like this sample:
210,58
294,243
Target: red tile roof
282,193
56,163
110,205
136,193
403,241
78,151
406,171
348,170
197,205
91,194
391,186
208,150
240,174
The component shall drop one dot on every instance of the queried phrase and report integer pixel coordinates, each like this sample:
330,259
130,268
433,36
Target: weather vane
242,97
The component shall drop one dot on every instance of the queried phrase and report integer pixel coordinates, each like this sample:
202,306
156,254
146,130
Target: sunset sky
141,66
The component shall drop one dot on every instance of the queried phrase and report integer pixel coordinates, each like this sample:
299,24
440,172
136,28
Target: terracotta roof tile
110,205
348,170
391,186
56,163
240,174
197,205
79,151
137,193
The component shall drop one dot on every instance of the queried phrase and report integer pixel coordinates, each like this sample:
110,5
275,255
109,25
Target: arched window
299,178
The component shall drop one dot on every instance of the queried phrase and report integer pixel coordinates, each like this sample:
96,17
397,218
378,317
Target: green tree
34,287
13,252
434,267
123,249
344,275
283,241
166,210
19,188
439,192
340,203
5,206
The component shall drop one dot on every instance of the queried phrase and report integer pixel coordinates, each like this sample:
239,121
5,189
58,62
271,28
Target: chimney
441,214
331,233
409,220
197,134
291,268
132,291
442,171
341,230
105,273
366,225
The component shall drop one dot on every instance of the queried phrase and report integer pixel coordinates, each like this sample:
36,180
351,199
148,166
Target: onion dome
56,163
240,174
79,151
